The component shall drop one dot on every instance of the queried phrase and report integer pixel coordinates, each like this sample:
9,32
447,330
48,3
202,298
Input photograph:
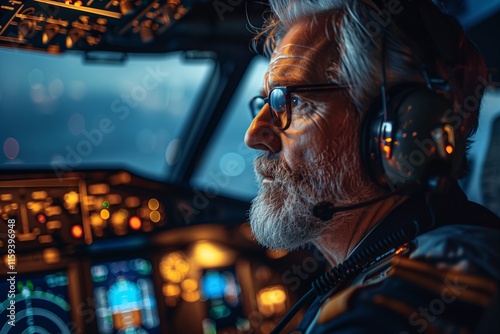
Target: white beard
281,215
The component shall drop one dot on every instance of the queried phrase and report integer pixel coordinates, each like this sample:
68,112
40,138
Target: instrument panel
58,25
113,252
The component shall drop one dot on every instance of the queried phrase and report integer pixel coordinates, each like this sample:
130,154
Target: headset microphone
326,210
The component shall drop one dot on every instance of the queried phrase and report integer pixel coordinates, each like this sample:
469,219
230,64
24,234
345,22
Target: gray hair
363,43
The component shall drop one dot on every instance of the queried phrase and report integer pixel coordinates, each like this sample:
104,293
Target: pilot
363,123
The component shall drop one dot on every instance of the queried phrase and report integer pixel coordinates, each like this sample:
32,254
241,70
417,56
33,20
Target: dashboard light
153,204
155,216
53,211
77,231
449,149
51,255
39,195
113,199
105,204
132,202
171,290
41,218
96,220
104,214
98,189
72,198
6,197
189,284
135,223
209,255
190,296
276,254
174,267
271,300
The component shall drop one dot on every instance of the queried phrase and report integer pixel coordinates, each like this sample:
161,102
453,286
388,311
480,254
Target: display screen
36,303
221,291
124,297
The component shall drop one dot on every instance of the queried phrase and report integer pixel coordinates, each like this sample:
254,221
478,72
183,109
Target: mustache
266,164
269,164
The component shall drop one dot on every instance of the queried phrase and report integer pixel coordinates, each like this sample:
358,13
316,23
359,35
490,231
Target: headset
411,132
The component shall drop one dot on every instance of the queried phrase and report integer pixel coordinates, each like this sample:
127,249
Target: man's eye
296,101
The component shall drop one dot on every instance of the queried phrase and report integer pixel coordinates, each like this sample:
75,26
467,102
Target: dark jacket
443,281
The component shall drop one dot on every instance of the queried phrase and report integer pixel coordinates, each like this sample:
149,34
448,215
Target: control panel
58,25
113,252
86,207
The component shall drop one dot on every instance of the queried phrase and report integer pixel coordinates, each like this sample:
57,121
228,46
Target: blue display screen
221,291
36,303
124,297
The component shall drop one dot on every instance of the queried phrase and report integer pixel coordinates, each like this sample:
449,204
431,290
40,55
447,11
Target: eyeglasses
281,101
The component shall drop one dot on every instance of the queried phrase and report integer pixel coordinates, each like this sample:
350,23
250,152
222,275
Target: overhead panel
59,25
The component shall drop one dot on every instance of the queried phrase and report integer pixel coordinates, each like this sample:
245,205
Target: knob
27,28
73,36
126,6
51,30
147,33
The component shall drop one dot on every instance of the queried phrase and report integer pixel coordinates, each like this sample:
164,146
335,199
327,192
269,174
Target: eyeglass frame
287,92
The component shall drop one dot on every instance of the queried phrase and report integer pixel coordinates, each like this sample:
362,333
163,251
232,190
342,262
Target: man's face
317,158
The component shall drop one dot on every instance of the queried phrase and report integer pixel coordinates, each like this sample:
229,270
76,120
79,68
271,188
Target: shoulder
467,249
448,282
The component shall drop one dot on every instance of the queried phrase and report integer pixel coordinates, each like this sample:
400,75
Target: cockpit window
226,166
61,113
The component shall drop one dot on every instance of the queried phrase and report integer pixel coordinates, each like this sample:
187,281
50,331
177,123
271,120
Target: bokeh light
11,148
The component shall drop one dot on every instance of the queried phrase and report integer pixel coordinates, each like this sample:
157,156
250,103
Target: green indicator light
105,204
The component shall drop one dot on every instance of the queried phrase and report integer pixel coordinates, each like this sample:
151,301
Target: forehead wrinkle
275,76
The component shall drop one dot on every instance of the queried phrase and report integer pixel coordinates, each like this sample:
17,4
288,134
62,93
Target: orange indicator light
77,231
449,149
135,223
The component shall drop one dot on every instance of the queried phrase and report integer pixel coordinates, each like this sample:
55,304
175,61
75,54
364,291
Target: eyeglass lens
277,102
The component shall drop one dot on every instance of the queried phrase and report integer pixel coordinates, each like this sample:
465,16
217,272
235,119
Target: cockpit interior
125,182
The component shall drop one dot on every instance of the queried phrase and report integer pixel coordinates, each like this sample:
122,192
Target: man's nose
262,134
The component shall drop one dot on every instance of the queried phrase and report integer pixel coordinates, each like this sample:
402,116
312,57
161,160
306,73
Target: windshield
61,113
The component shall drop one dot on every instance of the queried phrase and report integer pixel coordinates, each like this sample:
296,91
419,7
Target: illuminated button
104,214
153,204
54,225
113,199
96,221
6,197
155,216
41,218
171,290
53,210
105,204
189,284
135,223
98,189
71,198
45,239
39,195
51,255
77,231
190,296
132,202
35,207
449,149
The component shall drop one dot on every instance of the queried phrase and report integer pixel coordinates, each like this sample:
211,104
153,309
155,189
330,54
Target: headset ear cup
424,138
